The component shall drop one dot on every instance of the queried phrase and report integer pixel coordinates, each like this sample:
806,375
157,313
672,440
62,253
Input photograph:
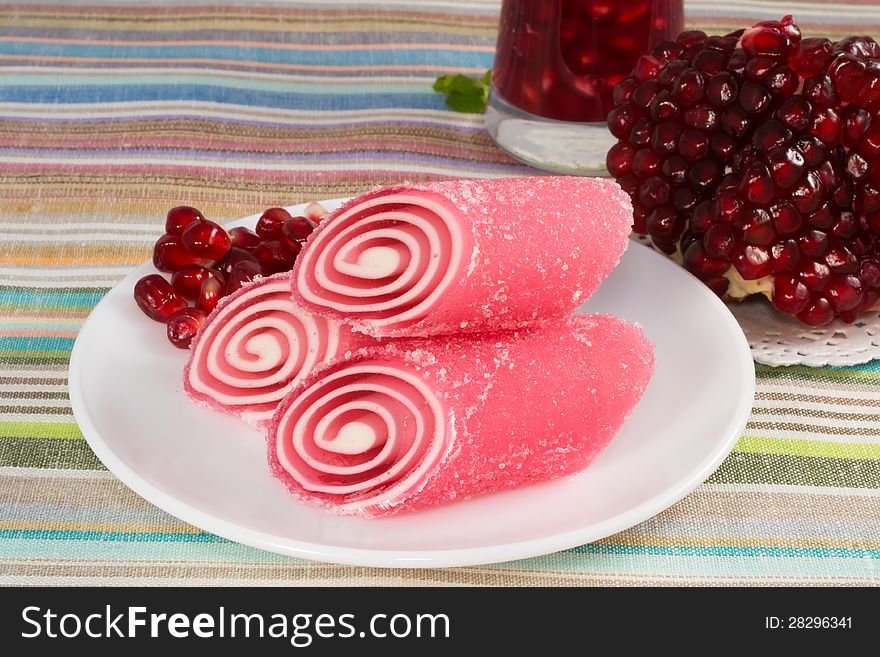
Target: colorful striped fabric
112,112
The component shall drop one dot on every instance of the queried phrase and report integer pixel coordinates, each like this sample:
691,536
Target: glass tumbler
556,64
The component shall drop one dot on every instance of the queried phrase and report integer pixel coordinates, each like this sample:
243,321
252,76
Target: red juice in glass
560,60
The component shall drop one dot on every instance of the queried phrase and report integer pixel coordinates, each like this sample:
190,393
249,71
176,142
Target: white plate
210,470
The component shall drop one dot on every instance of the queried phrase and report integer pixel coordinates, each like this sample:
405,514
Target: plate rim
366,557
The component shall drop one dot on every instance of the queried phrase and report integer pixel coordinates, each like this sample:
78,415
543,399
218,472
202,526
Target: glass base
558,146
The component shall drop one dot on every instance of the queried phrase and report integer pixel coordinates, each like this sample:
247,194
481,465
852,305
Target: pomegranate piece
276,256
244,238
242,273
685,112
270,222
758,159
155,296
210,292
206,239
170,254
179,218
183,326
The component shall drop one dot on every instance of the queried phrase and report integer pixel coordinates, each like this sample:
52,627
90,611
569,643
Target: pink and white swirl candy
256,346
413,423
463,255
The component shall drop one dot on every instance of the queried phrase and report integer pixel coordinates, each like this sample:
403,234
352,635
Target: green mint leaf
463,93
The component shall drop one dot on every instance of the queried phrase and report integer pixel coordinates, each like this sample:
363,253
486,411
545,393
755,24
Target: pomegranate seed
242,273
187,281
719,241
794,113
210,293
179,218
817,313
699,262
270,222
844,292
647,68
755,227
183,326
315,212
765,40
233,257
170,254
646,163
790,295
206,239
155,296
275,256
785,256
654,192
244,238
814,275
752,261
620,158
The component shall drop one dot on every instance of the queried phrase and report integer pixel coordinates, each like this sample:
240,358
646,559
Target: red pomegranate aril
812,56
735,122
710,61
786,166
664,225
785,256
674,168
814,275
270,222
765,39
234,256
794,113
848,74
206,239
183,326
644,94
753,97
244,238
647,67
790,295
722,147
275,256
155,296
699,262
752,261
663,139
756,185
693,145
755,227
840,260
187,281
622,119
689,87
684,200
826,125
704,174
170,254
770,135
855,124
210,293
786,218
646,163
844,292
817,313
719,241
619,159
179,218
623,91
654,191
819,90
813,243
241,274
641,132
663,107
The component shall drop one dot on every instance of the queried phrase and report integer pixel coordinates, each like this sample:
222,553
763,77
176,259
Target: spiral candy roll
412,423
463,255
257,345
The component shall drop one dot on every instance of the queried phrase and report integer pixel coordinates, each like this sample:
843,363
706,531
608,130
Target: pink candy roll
257,345
413,423
463,255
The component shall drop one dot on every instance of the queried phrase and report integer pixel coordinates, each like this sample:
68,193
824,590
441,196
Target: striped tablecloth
111,113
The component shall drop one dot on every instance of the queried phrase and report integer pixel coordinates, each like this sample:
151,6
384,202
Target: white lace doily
777,339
